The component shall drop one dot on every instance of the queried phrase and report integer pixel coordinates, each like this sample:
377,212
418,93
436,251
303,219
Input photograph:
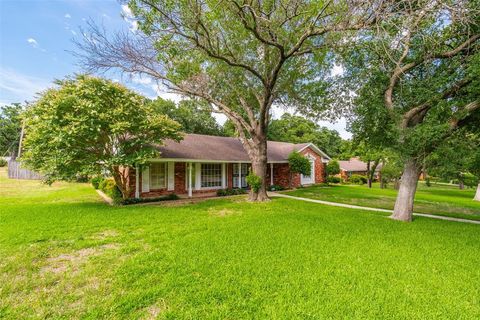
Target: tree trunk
259,168
369,174
477,194
121,177
403,209
461,184
258,157
380,177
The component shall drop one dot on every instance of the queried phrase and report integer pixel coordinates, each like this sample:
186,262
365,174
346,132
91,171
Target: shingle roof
203,147
355,165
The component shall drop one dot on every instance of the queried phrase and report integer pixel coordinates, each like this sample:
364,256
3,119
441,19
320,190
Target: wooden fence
15,171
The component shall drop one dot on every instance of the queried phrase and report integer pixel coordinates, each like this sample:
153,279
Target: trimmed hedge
172,196
334,180
109,187
230,192
357,179
275,187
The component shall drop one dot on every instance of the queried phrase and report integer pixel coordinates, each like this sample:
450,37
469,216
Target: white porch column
198,176
239,175
271,174
190,180
137,181
224,176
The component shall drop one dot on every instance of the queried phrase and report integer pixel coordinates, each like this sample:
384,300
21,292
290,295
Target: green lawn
439,199
64,254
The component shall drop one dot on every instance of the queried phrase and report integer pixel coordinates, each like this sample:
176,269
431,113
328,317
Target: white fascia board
316,149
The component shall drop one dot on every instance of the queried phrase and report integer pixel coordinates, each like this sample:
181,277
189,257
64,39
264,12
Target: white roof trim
316,149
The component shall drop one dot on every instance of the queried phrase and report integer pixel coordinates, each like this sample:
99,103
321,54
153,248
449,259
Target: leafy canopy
333,167
87,125
297,129
192,115
10,127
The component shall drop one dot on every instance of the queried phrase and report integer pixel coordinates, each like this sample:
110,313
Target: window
211,175
236,174
158,175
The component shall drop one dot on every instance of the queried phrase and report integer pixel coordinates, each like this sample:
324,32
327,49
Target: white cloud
160,92
127,15
18,87
33,42
126,11
141,80
67,16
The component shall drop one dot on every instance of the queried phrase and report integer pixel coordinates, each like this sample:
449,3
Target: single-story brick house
356,166
203,164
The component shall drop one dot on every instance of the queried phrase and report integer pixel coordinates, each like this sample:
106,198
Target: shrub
470,180
299,164
167,197
3,162
357,179
334,180
275,187
96,181
254,181
333,168
109,187
230,192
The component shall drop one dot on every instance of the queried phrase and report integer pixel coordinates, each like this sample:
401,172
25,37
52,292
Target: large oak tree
240,57
416,79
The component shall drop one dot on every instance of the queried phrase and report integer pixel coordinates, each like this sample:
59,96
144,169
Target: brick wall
281,176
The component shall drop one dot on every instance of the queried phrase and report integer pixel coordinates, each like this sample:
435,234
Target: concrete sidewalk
350,206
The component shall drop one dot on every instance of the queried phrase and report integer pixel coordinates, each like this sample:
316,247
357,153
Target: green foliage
299,164
110,188
392,170
334,179
333,167
192,115
87,125
168,197
470,180
254,181
357,179
297,129
275,187
96,181
230,192
3,162
10,127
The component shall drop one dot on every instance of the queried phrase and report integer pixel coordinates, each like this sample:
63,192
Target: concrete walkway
343,205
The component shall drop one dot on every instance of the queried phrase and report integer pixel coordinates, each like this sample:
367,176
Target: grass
66,255
438,199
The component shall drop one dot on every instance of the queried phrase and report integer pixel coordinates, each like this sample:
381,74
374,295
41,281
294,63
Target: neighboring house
203,164
356,166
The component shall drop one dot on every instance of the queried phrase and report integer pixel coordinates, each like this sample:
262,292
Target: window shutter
171,175
145,179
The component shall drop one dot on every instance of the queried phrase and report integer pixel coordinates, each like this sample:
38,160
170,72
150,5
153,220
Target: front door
310,179
240,172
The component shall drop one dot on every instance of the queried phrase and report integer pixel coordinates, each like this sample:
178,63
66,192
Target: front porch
199,179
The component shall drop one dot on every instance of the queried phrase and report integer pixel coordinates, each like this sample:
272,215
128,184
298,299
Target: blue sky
36,40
